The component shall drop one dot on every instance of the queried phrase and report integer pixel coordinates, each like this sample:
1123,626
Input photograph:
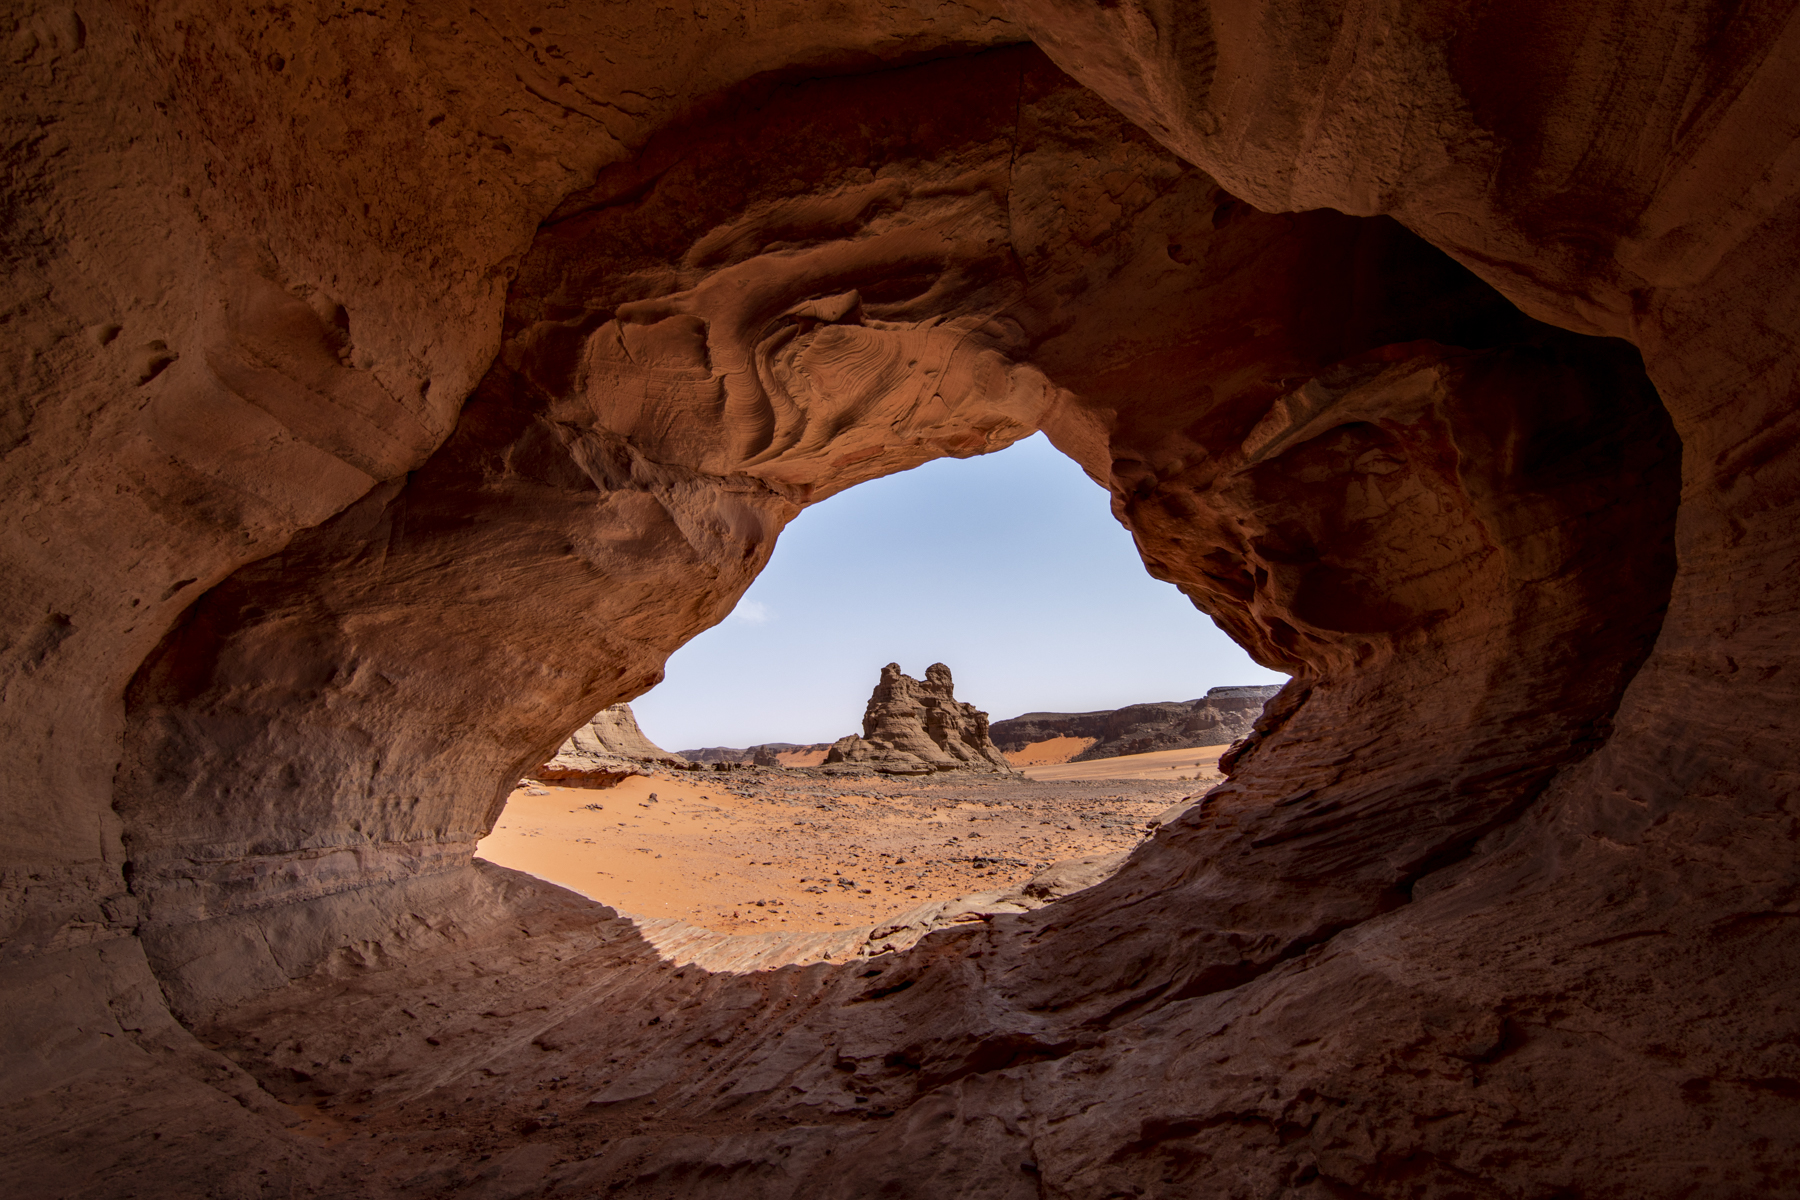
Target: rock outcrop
767,754
915,727
363,362
609,748
1220,717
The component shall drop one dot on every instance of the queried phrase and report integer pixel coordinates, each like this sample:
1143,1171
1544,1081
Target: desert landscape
392,389
759,850
848,850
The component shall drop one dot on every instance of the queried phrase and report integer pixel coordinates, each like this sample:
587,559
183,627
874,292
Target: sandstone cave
1444,355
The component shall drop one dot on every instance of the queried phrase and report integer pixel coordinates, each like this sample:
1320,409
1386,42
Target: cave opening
1011,567
1409,531
1368,467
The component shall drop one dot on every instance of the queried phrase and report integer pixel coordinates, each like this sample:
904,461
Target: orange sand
1050,750
1201,763
800,758
700,854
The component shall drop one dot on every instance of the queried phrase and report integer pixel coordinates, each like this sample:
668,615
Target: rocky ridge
914,727
1220,717
765,754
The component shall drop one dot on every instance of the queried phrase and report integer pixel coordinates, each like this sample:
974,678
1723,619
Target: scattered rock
1173,812
1053,882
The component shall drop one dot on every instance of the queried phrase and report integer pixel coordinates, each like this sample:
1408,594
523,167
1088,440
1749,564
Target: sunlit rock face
604,752
914,727
346,419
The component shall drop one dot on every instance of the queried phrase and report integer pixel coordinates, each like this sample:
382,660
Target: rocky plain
391,389
919,822
764,851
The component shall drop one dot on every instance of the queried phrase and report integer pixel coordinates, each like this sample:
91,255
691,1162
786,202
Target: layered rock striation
608,749
916,727
1220,717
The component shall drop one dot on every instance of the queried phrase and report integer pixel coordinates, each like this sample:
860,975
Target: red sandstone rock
914,727
1499,899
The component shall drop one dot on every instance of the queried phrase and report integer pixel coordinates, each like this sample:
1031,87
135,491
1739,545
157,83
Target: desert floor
771,850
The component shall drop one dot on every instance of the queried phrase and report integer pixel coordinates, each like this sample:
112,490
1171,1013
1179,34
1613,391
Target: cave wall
257,263
1490,838
1620,168
691,357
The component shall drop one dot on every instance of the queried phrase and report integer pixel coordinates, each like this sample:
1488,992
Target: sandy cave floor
769,850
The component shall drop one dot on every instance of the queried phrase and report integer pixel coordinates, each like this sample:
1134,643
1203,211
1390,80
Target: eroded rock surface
917,726
219,337
365,361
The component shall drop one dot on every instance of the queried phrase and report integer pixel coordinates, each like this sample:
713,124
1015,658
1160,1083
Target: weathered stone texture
609,748
915,727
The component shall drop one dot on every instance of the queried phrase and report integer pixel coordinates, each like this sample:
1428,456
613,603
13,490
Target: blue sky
1010,568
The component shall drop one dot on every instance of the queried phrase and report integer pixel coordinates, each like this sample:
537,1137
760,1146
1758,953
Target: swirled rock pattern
1446,357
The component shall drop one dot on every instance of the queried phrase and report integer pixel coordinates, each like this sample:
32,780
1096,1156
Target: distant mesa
1218,718
769,754
916,727
610,748
786,754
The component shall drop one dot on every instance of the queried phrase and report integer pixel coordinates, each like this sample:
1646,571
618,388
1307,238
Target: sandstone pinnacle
914,727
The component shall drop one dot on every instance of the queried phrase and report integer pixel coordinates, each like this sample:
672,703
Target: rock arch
1439,882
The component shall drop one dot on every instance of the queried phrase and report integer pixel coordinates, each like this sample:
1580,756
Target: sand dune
1199,763
1048,751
